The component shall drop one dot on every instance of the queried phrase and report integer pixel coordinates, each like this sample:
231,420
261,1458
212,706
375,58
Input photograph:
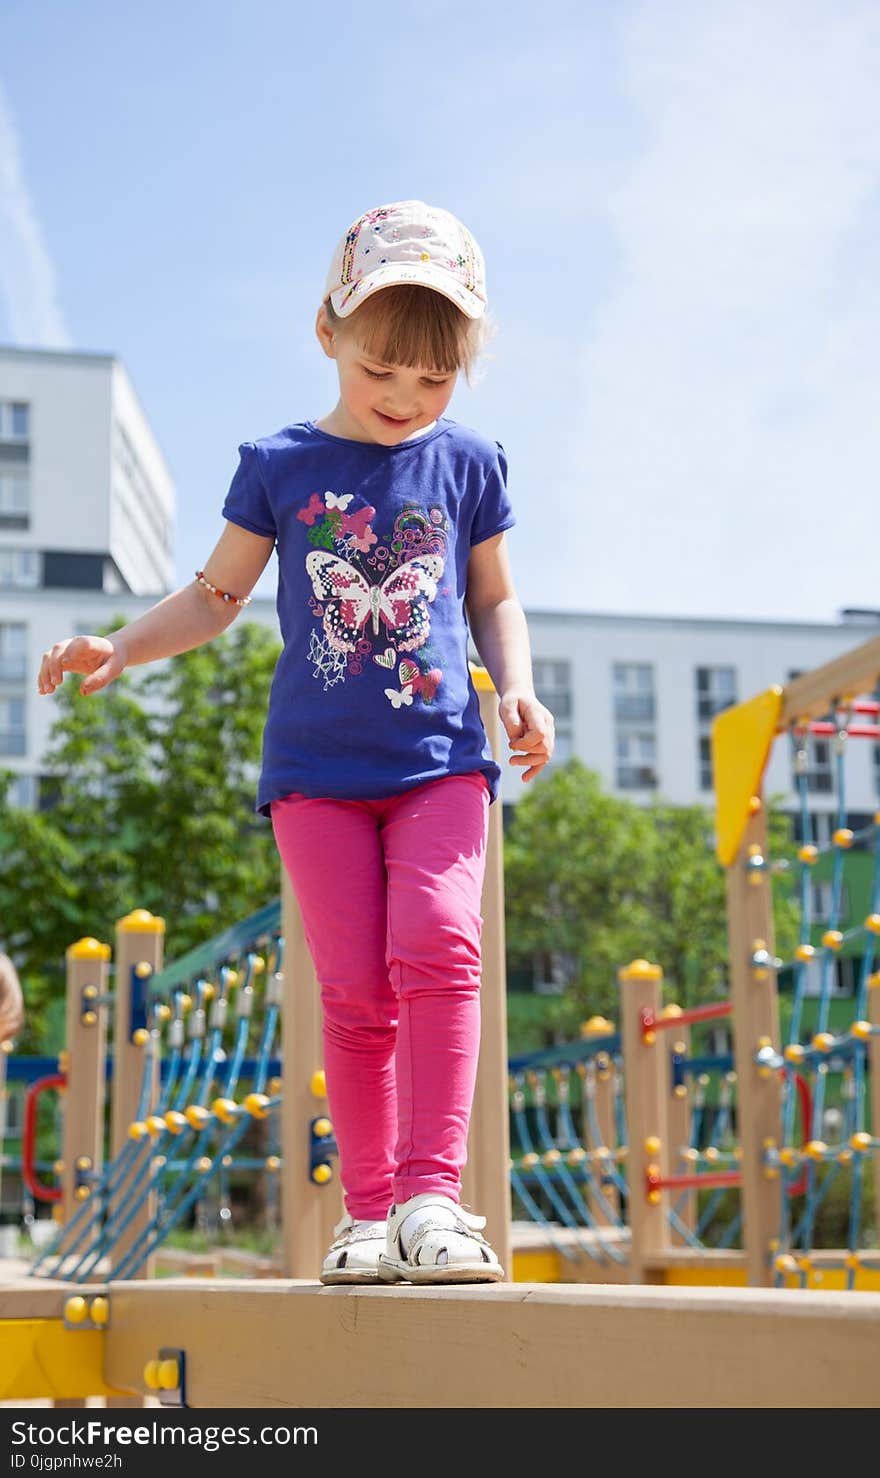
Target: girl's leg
333,856
435,854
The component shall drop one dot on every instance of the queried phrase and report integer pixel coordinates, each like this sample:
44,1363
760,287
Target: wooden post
598,1077
309,1211
646,1126
139,949
486,1176
85,1063
678,1119
755,1025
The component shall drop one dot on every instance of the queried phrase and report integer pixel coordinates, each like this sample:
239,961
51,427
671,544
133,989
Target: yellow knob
76,1310
140,1037
861,1141
861,1029
184,1002
58,1167
843,837
808,855
712,1153
89,1018
785,1263
794,1052
652,1145
81,1193
654,1198
168,1374
815,1149
832,939
529,1160
175,1122
872,923
257,1105
151,1375
805,952
163,1011
321,1174
552,1157
273,1163
137,1131
156,1125
225,1109
83,1162
197,1116
90,993
322,1128
203,1165
100,1310
823,1041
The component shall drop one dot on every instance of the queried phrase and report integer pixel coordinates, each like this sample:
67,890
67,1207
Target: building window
14,420
554,688
633,692
14,491
819,765
19,569
716,690
635,712
821,894
12,732
636,760
22,793
13,653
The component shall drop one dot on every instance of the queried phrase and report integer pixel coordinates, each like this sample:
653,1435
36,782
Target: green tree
153,807
599,881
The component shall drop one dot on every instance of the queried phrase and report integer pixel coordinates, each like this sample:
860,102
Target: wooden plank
294,1344
810,695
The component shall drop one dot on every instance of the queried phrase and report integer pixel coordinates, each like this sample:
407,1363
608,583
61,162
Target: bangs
415,326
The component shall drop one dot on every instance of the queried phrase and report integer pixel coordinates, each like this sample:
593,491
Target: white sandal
353,1257
442,1244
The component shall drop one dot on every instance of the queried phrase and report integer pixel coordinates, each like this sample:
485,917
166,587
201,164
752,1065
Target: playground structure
609,1160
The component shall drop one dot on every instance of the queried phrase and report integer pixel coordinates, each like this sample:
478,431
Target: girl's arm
188,618
498,627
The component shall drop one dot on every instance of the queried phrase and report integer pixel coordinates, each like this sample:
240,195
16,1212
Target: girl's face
381,402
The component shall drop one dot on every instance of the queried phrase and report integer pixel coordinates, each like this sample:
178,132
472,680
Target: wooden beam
294,1344
811,695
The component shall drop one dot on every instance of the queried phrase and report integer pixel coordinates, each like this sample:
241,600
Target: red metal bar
692,1182
29,1138
652,1023
855,731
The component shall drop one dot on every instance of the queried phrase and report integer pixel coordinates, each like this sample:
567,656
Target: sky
678,204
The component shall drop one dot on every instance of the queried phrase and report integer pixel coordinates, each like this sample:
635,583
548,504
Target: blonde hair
415,326
11,1003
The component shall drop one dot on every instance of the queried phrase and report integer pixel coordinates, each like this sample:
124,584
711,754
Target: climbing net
829,1036
200,1027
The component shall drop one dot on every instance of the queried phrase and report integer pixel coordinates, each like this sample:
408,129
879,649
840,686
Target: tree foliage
599,881
153,808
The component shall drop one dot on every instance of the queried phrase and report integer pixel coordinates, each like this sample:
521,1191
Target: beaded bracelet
236,600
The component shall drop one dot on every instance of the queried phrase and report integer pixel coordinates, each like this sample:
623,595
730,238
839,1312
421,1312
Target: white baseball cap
407,241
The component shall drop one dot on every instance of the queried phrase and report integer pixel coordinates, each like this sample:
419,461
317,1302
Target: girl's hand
95,655
530,729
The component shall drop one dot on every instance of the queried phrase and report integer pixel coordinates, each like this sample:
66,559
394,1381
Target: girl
389,523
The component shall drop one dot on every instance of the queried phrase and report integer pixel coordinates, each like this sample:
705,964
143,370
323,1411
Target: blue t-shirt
372,693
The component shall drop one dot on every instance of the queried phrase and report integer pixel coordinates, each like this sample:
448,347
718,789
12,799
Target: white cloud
731,434
27,274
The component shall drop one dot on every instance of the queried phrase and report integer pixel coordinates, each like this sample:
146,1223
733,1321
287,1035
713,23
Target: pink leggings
389,891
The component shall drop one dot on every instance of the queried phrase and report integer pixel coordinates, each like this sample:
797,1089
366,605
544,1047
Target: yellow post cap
141,921
640,970
88,949
76,1310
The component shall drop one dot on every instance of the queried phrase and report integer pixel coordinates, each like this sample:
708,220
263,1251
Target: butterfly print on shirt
400,601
